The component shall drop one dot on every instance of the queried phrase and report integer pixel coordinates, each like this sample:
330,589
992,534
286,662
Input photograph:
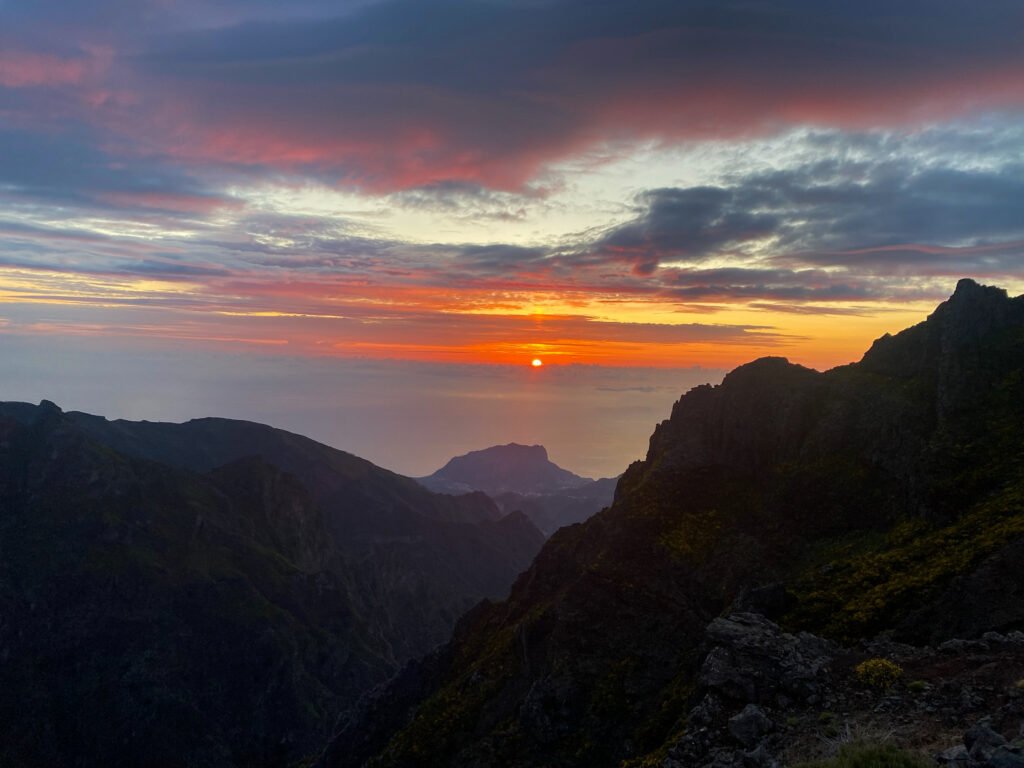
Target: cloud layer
486,180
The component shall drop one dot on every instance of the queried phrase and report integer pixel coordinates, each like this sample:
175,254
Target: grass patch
864,590
870,756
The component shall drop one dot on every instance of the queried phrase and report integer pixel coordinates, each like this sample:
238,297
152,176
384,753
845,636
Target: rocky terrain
521,478
768,698
879,499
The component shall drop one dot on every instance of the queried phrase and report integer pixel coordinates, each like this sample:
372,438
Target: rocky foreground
769,698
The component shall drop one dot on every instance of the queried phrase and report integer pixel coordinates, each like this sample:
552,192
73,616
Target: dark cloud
685,224
74,168
402,94
503,259
755,284
880,218
130,121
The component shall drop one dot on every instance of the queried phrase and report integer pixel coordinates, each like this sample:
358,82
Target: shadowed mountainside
424,557
883,495
215,593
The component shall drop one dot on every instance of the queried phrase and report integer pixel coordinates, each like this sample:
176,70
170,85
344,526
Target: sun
536,362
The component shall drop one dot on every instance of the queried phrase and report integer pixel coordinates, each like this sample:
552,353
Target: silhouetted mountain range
215,592
883,496
522,478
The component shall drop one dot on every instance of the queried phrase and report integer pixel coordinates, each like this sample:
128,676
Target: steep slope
522,478
156,617
421,558
171,595
873,496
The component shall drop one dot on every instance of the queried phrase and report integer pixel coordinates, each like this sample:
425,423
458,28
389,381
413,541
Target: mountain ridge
244,594
835,501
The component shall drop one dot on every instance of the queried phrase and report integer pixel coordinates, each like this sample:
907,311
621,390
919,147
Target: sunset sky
363,220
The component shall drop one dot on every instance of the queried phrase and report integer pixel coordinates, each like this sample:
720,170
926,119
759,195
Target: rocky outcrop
769,698
752,666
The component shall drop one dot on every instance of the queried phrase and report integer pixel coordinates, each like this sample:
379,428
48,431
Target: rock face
215,593
752,664
754,661
750,726
522,478
879,496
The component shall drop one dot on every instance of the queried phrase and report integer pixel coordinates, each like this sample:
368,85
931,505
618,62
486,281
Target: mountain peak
512,467
973,301
952,335
764,369
967,286
536,452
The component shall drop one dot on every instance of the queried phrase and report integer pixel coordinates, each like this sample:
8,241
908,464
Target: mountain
215,593
522,478
501,469
886,496
423,558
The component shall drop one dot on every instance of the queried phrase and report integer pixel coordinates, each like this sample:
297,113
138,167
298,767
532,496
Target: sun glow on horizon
536,362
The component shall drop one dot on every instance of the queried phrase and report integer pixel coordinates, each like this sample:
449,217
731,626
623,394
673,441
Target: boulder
750,725
754,661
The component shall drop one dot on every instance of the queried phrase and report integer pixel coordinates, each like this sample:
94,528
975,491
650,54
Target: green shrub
917,686
878,673
871,756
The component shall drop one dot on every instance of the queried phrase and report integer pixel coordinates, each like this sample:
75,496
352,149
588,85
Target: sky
363,220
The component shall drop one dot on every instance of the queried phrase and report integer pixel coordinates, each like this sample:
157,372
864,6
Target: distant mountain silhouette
216,592
511,468
523,478
885,496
